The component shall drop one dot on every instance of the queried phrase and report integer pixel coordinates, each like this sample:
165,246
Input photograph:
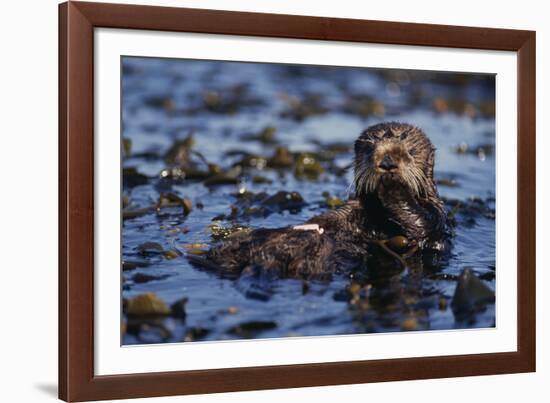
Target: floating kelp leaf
256,283
131,177
219,232
125,201
150,248
284,200
262,204
133,264
484,150
180,152
221,217
481,150
214,169
364,106
354,294
148,304
255,212
471,295
307,166
459,106
360,295
195,245
258,180
400,244
166,200
265,136
354,290
126,146
338,170
177,309
148,329
230,177
196,249
160,102
282,158
227,100
178,174
232,310
343,295
130,70
174,173
487,276
212,99
252,161
145,278
333,148
150,155
409,324
250,329
471,208
443,277
195,174
448,182
170,254
246,195
462,148
169,105
195,333
440,105
137,212
239,233
301,108
487,108
332,201
385,253
221,180
187,206
170,199
306,286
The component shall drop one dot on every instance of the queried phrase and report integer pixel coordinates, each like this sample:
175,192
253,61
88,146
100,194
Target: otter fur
395,195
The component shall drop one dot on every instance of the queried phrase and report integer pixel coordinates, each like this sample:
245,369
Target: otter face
394,153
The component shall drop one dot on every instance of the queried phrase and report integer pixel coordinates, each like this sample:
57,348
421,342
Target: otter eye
368,147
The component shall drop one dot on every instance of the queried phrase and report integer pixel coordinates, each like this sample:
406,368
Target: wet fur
401,201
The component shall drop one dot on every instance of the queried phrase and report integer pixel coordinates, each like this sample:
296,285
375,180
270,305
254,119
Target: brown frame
77,21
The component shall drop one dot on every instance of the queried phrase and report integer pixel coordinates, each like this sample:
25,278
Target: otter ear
357,144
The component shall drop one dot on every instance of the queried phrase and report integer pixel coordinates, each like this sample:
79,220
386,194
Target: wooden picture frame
77,21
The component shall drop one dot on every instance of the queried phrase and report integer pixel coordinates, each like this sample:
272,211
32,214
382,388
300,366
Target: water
165,100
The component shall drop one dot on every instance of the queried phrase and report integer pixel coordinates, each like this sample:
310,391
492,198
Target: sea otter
395,198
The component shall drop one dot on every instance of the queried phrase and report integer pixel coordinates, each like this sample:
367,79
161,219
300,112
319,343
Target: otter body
395,196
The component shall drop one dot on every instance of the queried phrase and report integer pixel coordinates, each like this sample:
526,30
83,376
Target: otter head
394,154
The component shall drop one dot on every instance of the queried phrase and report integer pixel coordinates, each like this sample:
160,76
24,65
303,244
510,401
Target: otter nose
387,163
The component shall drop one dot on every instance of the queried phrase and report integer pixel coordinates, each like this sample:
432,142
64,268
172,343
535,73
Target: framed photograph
254,201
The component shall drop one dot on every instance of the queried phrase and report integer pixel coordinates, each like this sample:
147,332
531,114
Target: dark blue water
165,100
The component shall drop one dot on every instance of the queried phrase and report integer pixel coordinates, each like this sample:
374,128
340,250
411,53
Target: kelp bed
214,149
